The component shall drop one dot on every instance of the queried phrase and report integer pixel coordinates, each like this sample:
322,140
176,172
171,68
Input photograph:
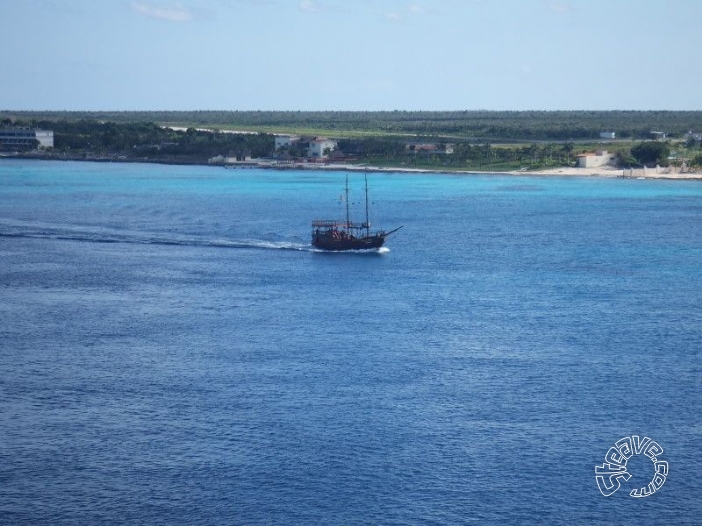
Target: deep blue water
173,352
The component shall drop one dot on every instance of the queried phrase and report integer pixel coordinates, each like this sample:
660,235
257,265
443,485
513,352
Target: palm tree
568,149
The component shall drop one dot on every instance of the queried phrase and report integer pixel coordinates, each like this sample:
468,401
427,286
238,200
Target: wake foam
105,235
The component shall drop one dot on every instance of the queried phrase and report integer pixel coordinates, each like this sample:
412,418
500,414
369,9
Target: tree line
141,140
147,139
470,125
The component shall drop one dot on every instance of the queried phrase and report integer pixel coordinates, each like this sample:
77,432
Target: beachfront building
320,148
316,147
285,141
595,159
231,159
23,138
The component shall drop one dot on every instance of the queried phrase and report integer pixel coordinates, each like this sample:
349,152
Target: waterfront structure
231,159
608,135
23,138
595,159
317,147
320,148
283,141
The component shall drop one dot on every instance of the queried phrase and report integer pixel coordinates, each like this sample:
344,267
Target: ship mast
348,222
367,222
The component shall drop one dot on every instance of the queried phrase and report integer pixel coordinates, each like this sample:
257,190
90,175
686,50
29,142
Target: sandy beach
602,171
608,171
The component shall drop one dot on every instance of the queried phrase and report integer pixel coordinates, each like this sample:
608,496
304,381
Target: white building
223,159
608,135
320,148
283,141
22,138
596,159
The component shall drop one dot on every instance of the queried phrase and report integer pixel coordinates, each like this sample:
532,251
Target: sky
351,55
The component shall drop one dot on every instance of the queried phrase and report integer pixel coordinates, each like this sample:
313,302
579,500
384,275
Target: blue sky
351,54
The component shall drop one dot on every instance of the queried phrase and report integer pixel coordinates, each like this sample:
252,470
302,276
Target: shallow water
173,350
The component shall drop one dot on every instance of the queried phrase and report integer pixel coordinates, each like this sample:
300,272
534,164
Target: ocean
173,350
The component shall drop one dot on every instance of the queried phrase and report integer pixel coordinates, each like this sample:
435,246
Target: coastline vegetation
463,140
481,126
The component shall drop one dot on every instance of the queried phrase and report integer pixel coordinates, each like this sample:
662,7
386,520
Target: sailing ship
346,235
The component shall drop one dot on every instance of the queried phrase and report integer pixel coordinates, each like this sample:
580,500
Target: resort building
316,147
596,159
283,141
231,159
23,138
321,148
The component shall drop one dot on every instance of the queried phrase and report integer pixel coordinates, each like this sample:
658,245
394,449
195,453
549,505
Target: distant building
317,147
230,159
595,159
658,135
283,141
429,148
416,148
23,138
608,135
320,148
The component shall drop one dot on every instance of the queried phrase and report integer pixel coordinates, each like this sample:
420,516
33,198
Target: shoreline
564,171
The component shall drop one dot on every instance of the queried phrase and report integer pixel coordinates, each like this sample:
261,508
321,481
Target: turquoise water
173,351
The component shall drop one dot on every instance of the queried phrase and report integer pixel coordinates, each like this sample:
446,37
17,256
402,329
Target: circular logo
608,475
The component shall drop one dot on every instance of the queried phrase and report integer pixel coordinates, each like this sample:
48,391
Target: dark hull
360,243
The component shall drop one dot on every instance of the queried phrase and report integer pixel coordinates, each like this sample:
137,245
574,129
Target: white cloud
172,14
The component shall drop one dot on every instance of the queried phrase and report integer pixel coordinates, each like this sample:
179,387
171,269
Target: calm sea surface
172,351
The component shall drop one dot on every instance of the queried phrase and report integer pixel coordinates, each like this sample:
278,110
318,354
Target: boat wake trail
106,235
